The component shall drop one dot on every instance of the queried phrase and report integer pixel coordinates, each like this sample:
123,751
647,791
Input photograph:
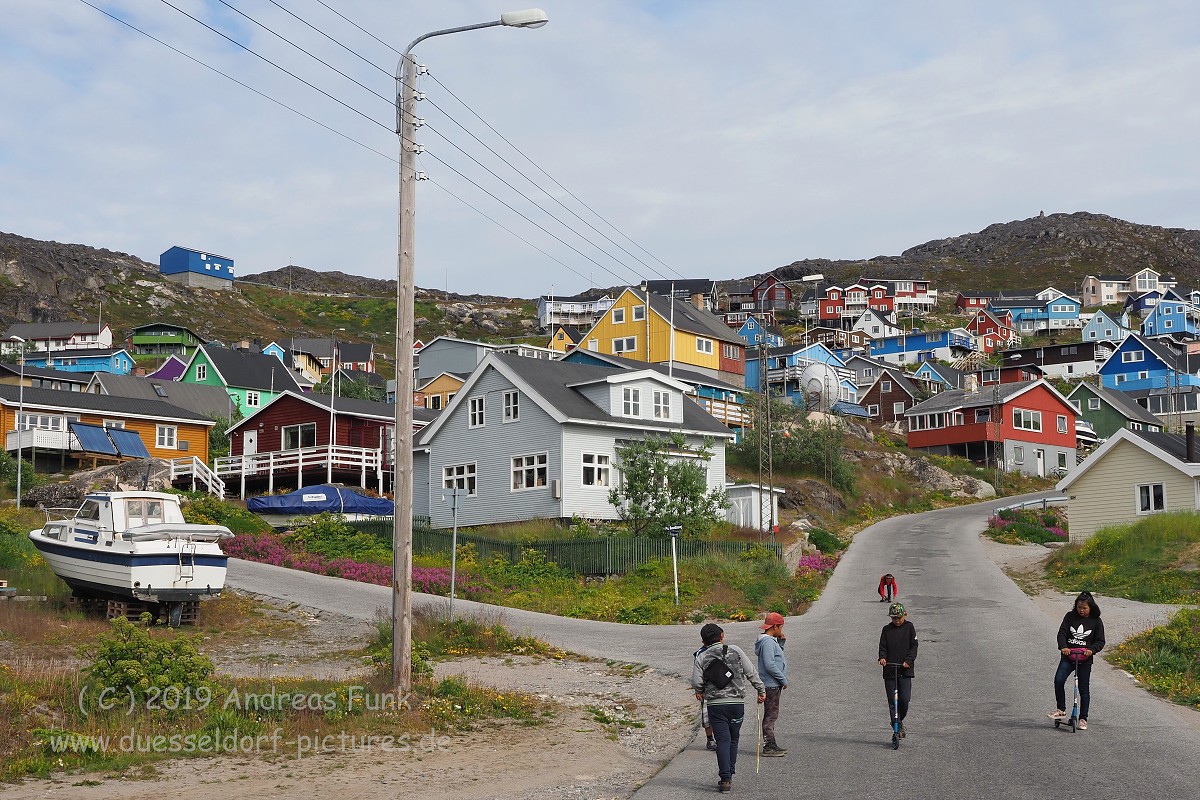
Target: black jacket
1077,631
897,644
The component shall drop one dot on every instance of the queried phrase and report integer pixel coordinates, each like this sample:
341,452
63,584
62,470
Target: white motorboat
135,545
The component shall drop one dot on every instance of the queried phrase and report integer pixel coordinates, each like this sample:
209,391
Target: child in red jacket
887,588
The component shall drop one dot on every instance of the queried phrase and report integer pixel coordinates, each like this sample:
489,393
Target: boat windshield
89,510
150,511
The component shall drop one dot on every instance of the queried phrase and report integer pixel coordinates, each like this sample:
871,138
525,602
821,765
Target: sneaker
1057,714
903,732
773,750
711,744
725,787
1082,724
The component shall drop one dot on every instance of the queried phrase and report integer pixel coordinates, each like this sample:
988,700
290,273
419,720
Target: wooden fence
605,555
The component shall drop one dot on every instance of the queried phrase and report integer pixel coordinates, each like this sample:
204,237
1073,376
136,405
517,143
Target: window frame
512,406
535,466
599,469
704,346
638,313
631,401
1144,502
628,344
1031,423
618,315
253,399
166,437
299,430
477,411
202,372
662,404
465,476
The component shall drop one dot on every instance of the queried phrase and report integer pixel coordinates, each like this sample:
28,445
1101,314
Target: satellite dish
819,383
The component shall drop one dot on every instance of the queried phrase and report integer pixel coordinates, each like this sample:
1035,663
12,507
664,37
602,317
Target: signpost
454,494
674,531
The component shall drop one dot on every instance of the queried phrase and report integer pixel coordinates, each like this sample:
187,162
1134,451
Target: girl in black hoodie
1081,629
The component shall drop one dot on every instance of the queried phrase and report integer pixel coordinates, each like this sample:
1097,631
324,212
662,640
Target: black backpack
718,672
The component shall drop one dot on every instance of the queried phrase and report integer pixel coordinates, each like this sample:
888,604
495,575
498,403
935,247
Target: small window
529,472
885,386
897,408
1150,498
704,345
1018,455
872,411
511,408
596,468
201,372
459,476
1093,404
298,436
252,399
639,313
166,437
631,405
624,345
434,402
1062,424
114,423
1062,459
618,316
662,405
476,417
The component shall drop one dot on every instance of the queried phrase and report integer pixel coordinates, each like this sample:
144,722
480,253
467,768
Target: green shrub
130,660
824,541
331,536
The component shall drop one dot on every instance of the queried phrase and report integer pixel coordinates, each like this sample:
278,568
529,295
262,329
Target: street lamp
20,410
405,321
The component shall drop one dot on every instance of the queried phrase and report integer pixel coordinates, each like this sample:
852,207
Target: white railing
198,471
316,461
39,438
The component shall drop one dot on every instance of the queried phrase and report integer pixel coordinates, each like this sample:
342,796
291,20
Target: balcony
39,439
315,462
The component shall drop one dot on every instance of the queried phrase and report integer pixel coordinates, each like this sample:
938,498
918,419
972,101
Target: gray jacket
740,665
772,664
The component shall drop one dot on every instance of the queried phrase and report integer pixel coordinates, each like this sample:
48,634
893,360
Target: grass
1153,560
1166,659
1013,526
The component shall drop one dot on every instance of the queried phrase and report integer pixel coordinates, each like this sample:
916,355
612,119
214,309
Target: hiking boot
1057,714
772,750
725,787
711,744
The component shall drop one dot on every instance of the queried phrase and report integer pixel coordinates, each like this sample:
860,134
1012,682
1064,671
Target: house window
704,346
618,316
639,313
1132,356
114,423
1026,420
512,410
885,386
869,372
434,401
897,408
529,472
1018,455
662,405
43,422
1150,498
593,345
297,436
596,469
1062,424
476,416
1119,379
1143,375
624,345
872,411
1062,459
1093,404
631,402
252,399
201,372
983,415
459,476
166,437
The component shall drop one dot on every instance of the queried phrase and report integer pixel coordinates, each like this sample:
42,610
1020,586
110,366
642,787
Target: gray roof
100,403
552,380
321,348
691,319
207,401
51,330
899,377
47,374
688,286
952,375
355,352
251,370
362,376
1171,443
1121,401
953,399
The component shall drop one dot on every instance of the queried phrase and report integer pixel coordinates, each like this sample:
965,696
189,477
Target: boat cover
319,498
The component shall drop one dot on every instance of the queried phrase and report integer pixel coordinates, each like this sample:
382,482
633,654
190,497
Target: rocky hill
1055,249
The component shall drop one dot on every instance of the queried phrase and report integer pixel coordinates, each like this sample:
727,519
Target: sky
673,139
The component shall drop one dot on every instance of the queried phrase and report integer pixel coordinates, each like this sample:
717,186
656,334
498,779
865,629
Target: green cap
896,610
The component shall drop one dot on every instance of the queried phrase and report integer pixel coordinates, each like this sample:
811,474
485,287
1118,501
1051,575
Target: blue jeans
889,686
726,720
1065,667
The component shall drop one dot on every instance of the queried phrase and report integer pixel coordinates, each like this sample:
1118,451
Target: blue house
1171,318
756,333
196,268
917,346
1032,315
118,362
1103,328
1139,363
798,372
1144,302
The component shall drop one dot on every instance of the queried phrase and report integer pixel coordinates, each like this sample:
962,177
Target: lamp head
529,18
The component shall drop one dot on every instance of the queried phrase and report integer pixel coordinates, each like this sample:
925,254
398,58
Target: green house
164,338
1109,410
252,379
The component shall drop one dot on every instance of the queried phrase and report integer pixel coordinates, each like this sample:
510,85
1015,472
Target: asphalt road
977,725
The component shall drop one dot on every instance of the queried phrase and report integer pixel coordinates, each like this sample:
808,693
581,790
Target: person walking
1081,629
888,588
898,645
772,668
719,678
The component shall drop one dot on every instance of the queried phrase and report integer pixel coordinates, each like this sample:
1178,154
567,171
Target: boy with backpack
719,677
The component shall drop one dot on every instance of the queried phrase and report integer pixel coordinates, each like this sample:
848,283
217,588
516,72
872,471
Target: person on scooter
898,645
1081,629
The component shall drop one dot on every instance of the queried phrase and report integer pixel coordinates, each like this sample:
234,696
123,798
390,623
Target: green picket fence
607,555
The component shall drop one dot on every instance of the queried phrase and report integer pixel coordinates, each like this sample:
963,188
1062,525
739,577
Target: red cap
773,618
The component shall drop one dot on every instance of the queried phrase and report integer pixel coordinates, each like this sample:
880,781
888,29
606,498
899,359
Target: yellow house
564,338
45,415
441,390
648,327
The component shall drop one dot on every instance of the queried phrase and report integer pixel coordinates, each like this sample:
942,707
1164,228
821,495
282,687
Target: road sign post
674,531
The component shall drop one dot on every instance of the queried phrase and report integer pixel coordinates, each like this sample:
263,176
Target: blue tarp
315,499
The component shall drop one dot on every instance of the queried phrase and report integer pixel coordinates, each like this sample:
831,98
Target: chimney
698,301
972,383
1189,438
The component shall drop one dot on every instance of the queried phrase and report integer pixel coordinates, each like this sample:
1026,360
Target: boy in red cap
772,668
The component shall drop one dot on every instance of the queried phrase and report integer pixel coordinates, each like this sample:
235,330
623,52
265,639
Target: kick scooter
895,704
1077,656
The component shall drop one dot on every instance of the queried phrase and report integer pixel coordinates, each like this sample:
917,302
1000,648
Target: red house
299,439
892,394
993,330
970,302
771,293
1027,426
